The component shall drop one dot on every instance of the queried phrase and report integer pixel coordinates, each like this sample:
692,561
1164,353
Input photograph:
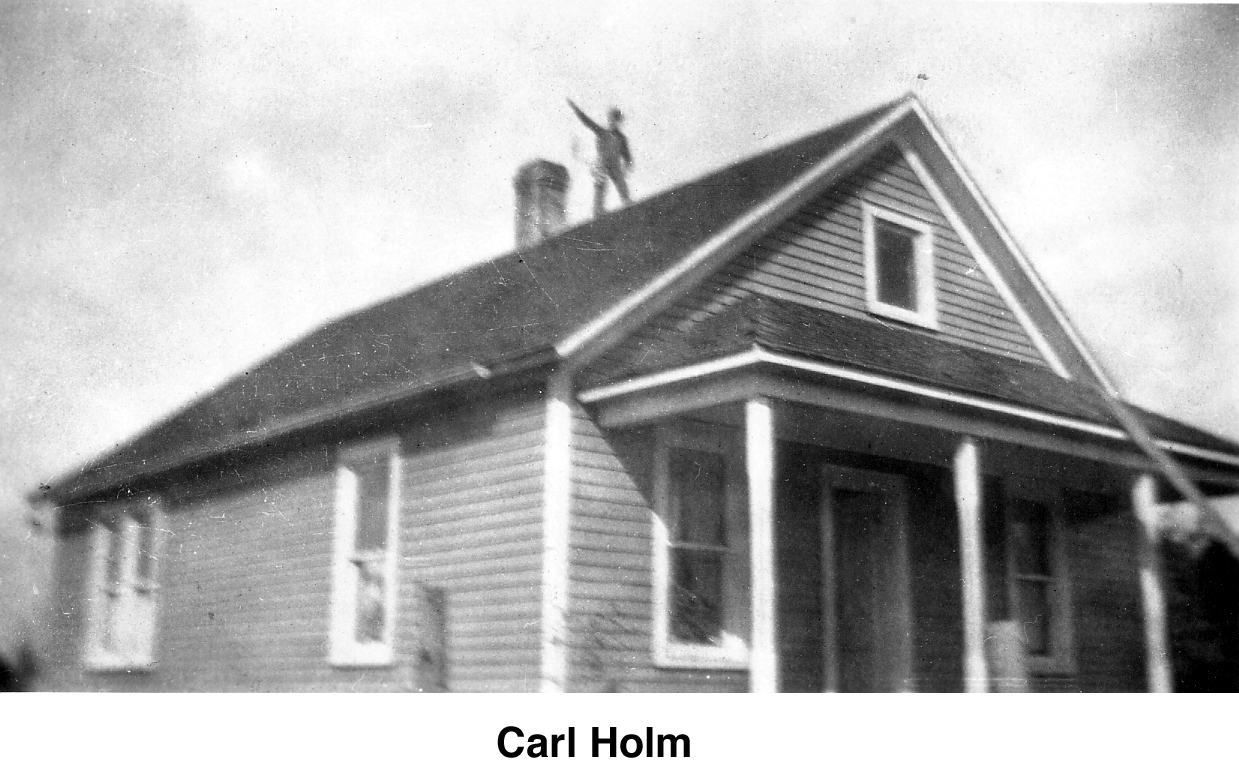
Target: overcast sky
185,188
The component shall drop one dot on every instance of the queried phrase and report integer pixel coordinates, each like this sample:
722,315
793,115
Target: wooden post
759,461
968,505
1152,587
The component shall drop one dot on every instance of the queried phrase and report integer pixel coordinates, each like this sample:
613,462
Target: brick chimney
541,191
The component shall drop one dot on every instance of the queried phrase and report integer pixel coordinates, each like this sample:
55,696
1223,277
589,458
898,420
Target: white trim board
556,522
343,648
733,651
925,314
759,356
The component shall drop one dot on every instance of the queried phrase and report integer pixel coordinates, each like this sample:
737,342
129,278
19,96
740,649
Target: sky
187,187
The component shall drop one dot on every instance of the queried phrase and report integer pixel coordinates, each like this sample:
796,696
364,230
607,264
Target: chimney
541,191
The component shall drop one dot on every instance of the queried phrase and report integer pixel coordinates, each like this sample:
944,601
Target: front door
865,600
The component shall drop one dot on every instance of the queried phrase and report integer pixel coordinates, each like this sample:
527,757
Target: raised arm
591,124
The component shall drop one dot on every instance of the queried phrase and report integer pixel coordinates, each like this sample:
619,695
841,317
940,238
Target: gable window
700,551
899,266
121,622
1037,579
364,570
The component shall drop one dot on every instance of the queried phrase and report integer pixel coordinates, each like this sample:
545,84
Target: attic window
899,266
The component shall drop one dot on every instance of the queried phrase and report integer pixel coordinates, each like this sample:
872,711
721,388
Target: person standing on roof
614,159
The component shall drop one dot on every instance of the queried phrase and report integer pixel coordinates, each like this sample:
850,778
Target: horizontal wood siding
60,667
610,568
816,258
245,573
1107,613
798,543
937,587
244,584
473,510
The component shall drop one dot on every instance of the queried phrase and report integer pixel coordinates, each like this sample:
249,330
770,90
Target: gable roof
527,308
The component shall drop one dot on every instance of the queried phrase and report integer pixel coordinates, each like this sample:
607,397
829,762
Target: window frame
344,648
733,653
926,312
1060,658
131,592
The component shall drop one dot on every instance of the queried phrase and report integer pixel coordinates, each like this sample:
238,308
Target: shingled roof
507,311
890,350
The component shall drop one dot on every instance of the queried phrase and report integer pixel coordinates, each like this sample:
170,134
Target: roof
510,310
499,311
892,350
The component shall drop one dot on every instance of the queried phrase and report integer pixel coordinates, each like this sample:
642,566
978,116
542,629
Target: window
121,631
364,588
700,550
899,266
1036,577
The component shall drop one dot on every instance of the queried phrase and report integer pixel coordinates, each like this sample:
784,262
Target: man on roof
614,159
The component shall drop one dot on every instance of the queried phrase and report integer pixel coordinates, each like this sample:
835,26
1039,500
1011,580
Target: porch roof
889,349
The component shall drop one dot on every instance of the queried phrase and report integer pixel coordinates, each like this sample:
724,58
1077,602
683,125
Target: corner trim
556,527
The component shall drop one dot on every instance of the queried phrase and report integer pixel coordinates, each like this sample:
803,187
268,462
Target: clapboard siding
610,569
937,589
815,258
1107,614
245,571
798,544
473,509
67,615
245,578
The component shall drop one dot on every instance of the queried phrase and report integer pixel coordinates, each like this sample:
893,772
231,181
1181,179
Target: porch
829,534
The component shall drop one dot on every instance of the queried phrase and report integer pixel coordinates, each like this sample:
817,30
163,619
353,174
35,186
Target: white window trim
926,313
733,653
344,649
1061,658
118,527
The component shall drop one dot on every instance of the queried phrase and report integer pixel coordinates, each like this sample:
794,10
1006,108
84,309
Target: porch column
968,506
759,462
1152,587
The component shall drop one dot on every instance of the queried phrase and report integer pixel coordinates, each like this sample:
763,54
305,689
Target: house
810,422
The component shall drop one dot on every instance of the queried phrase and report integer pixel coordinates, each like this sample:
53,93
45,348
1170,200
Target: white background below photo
814,736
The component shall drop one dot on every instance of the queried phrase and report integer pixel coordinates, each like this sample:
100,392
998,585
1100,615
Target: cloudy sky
186,187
